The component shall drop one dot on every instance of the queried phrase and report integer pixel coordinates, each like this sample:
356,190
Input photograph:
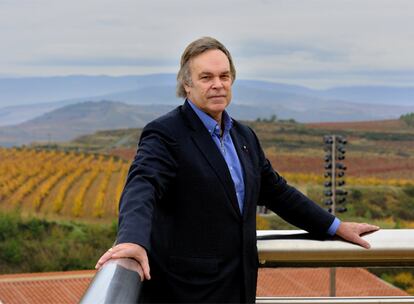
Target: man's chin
219,101
219,106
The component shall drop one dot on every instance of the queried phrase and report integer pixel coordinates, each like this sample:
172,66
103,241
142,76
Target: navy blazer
179,202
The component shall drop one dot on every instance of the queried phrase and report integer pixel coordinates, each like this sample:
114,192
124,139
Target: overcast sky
317,43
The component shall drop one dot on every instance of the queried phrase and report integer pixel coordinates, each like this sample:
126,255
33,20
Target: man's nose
217,83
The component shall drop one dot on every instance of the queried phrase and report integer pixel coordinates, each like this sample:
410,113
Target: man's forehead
210,61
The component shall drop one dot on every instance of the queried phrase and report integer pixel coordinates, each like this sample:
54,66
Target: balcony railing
118,280
389,247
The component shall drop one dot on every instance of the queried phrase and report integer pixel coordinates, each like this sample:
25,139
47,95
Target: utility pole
335,152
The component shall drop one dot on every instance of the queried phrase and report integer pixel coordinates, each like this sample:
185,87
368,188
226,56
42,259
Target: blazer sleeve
150,174
288,202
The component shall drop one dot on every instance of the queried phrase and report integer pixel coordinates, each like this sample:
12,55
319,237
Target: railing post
118,281
332,282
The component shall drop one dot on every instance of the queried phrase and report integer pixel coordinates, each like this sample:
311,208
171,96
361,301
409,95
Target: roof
314,282
69,286
43,288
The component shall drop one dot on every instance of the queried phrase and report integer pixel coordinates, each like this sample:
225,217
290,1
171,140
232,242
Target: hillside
23,99
74,120
33,90
60,184
73,185
385,153
377,126
390,137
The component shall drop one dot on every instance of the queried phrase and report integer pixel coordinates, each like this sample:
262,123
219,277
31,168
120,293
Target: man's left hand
352,232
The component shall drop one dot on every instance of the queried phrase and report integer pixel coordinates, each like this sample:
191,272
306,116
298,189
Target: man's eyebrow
210,73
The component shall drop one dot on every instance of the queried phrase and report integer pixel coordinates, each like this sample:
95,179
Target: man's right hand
128,250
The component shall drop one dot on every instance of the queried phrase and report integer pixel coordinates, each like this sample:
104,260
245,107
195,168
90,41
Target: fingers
141,273
104,258
137,252
366,228
128,250
364,244
360,241
352,232
145,267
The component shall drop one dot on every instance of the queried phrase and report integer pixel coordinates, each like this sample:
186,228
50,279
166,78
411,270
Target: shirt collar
212,125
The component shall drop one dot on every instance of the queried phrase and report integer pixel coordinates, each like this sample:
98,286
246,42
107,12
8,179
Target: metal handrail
118,280
296,248
336,300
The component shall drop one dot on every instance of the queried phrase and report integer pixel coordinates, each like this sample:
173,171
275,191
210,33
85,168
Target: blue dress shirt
225,144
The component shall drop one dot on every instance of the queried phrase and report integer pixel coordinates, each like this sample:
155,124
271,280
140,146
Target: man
188,209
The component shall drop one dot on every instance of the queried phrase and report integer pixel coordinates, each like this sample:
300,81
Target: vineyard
362,169
308,168
88,186
66,184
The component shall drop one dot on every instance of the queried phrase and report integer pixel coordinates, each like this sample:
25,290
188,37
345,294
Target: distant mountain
373,95
307,106
71,121
32,90
22,99
13,115
253,99
61,108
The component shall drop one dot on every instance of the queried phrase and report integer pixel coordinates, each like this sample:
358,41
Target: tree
408,119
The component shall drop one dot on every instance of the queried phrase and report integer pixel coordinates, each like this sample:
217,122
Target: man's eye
205,77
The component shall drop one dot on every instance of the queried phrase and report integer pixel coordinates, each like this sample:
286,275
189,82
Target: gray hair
194,49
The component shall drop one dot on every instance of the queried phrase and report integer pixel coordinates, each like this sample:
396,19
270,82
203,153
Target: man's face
211,82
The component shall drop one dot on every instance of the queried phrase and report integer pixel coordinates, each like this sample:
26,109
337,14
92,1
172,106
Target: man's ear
187,87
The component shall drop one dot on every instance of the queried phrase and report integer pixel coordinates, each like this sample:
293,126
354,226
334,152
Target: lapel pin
245,149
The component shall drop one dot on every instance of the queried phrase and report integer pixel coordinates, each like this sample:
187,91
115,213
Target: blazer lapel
202,139
248,174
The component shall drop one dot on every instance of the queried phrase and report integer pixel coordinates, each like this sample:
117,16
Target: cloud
104,61
371,40
265,49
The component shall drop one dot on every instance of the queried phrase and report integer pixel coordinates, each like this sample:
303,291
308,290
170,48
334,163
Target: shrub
409,190
35,245
8,226
408,119
11,251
